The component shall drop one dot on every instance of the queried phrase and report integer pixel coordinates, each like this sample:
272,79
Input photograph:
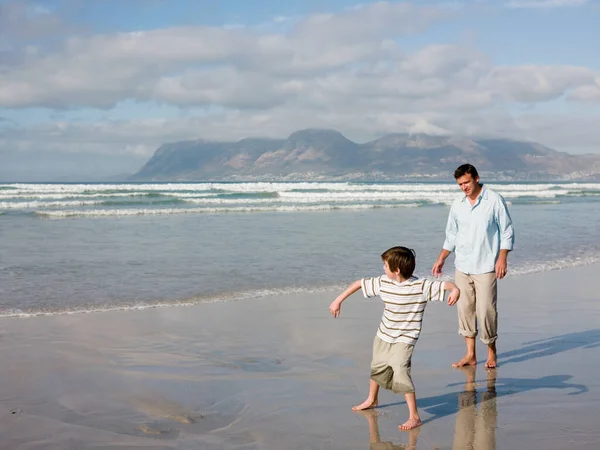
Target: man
480,231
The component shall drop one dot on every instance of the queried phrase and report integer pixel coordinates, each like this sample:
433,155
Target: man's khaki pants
477,305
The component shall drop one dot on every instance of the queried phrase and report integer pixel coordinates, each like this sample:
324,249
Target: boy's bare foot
492,360
468,360
411,423
367,404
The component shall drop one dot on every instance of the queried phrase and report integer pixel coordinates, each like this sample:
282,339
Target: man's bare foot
468,360
492,361
367,404
410,424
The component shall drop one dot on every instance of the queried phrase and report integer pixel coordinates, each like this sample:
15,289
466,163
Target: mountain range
320,154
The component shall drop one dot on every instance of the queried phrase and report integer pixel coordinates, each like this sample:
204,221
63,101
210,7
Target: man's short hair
465,169
400,258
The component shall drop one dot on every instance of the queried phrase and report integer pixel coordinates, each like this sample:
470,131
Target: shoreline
278,372
249,294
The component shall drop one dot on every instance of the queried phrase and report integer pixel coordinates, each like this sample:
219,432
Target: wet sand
280,373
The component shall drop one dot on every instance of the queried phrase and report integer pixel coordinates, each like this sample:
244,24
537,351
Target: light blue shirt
477,233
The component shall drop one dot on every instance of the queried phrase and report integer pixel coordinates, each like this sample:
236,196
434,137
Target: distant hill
316,154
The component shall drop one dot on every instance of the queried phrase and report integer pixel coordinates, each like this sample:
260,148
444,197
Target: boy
405,298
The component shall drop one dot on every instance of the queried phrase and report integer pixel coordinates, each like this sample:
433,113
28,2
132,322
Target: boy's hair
465,169
400,258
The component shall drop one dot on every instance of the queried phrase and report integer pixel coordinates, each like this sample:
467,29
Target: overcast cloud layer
348,70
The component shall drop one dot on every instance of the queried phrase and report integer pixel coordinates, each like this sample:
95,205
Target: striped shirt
404,305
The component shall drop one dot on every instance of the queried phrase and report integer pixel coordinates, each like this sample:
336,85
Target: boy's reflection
375,439
477,416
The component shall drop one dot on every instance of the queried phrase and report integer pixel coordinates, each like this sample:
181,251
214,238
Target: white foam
193,301
555,264
45,196
241,209
51,204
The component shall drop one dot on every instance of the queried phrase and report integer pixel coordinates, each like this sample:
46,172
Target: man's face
468,184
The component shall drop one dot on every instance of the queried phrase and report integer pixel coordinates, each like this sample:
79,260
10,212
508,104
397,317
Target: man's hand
335,308
501,266
454,296
436,270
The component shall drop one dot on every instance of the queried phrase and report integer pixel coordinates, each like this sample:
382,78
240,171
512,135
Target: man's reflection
477,416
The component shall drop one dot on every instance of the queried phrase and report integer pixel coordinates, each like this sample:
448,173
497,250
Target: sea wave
259,187
215,198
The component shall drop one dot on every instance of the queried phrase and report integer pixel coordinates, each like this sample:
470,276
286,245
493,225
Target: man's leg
467,317
486,292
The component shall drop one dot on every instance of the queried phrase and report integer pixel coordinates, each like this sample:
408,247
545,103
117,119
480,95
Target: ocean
80,248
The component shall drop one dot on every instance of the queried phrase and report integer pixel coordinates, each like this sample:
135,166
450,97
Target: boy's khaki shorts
390,367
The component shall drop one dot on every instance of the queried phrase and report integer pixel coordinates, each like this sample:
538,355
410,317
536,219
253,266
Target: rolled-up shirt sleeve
433,290
451,231
507,232
370,286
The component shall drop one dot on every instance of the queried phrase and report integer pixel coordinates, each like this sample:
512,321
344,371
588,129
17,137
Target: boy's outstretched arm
454,292
336,305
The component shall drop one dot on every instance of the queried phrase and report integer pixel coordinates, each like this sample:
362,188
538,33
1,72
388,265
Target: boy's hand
335,308
453,297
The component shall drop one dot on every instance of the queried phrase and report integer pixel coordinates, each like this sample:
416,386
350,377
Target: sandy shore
280,373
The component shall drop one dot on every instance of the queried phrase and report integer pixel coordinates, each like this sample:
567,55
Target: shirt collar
483,194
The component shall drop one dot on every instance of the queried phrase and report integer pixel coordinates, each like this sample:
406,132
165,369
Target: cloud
20,19
99,71
346,71
545,4
531,83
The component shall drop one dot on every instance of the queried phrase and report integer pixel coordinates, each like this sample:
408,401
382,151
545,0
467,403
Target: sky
91,88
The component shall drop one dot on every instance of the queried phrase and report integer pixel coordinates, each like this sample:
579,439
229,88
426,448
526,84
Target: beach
278,372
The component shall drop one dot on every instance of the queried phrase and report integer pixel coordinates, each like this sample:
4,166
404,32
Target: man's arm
502,264
336,306
507,238
449,244
436,270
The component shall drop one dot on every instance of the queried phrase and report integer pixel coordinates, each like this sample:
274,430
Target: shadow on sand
447,404
475,409
551,346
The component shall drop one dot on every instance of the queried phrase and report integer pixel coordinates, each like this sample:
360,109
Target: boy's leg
381,373
414,420
402,382
486,288
467,317
372,400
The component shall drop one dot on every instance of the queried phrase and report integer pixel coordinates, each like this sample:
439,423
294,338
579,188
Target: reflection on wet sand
477,415
476,418
375,439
